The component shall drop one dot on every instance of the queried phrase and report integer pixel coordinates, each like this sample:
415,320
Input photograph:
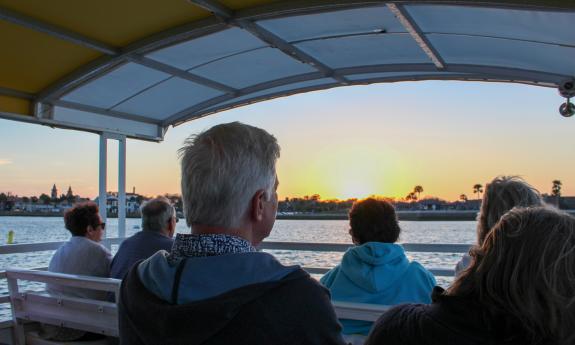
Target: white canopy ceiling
237,58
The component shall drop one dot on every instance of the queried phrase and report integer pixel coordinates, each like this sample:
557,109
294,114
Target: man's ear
171,226
258,205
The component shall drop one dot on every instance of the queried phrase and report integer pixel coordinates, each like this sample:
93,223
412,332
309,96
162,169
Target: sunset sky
340,143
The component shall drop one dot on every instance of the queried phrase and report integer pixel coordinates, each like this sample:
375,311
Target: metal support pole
103,177
122,187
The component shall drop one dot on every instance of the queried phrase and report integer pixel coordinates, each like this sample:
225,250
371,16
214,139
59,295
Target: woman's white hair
222,168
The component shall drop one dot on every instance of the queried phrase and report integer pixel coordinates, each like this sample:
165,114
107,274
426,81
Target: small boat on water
132,69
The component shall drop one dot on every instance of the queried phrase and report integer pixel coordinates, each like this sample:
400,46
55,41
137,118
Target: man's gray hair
156,213
222,168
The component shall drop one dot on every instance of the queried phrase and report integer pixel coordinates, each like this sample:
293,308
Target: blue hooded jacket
377,273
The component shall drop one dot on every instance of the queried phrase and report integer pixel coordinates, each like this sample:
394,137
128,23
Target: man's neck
198,229
163,233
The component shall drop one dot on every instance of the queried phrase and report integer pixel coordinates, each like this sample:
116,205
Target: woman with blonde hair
519,289
501,195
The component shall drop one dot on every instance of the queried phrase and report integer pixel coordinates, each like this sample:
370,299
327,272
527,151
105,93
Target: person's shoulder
417,268
300,283
98,248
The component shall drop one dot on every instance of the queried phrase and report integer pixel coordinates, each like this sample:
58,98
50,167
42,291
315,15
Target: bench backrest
101,316
80,313
359,311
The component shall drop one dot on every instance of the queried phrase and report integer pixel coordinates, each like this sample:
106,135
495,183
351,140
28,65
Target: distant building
132,202
54,192
69,194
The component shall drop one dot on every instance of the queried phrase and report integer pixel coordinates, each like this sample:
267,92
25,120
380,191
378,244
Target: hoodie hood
375,266
206,277
148,319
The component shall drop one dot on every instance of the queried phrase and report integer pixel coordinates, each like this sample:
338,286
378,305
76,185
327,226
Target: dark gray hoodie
279,305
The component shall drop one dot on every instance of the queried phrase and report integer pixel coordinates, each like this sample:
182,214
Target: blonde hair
525,268
501,195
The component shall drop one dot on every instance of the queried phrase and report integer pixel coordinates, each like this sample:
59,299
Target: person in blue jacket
376,270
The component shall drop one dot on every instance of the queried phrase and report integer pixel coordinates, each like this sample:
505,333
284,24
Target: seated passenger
213,287
158,225
82,254
519,289
376,270
501,195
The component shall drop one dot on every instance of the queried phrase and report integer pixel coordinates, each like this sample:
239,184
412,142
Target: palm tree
556,191
411,197
478,189
463,197
418,190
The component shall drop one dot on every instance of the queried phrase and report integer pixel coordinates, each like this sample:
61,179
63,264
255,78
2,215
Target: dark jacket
293,310
449,320
140,246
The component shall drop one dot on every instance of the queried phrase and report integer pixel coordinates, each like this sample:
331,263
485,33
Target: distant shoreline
402,215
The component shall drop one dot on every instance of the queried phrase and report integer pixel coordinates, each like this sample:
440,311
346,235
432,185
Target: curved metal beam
4,91
285,8
55,31
456,72
458,77
101,111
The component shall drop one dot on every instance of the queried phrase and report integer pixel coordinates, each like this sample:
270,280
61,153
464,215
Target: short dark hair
373,220
79,217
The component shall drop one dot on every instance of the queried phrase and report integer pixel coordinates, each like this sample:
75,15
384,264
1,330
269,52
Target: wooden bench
85,314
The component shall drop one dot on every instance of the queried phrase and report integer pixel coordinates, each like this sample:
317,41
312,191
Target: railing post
122,187
103,172
18,335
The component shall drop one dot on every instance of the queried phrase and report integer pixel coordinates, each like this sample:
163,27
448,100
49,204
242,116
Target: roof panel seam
228,16
500,38
411,26
176,72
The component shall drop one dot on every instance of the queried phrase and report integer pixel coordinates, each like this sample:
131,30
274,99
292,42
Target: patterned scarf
190,245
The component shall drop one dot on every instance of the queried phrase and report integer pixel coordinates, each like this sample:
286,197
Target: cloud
5,161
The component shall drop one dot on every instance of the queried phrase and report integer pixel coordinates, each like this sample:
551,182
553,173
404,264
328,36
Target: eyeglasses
103,225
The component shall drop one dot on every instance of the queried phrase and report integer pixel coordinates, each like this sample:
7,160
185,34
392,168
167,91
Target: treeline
314,204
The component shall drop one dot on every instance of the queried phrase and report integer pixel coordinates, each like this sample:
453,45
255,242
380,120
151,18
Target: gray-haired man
158,226
214,287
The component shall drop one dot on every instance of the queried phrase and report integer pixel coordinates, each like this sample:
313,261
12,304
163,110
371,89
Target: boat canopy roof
134,68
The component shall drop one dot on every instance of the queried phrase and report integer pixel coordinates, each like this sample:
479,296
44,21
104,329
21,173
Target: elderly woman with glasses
82,254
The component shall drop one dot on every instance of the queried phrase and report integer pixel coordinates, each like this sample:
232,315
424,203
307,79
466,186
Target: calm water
48,229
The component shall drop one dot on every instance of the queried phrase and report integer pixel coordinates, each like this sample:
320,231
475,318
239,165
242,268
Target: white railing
284,246
342,247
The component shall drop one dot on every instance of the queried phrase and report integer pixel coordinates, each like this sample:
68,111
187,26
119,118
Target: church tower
54,192
69,194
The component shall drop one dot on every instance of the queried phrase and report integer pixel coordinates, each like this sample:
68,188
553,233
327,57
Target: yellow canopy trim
15,105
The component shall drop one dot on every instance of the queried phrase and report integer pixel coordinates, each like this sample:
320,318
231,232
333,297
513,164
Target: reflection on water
48,229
